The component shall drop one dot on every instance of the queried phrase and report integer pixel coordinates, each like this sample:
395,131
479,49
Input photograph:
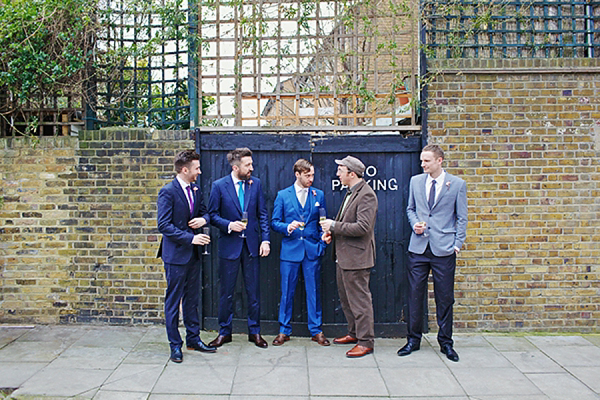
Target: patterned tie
432,195
241,194
189,192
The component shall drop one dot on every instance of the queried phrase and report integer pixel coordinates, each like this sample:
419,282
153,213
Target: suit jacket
173,216
287,208
224,207
354,229
447,220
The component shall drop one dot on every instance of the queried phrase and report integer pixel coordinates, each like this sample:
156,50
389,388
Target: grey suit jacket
354,230
446,221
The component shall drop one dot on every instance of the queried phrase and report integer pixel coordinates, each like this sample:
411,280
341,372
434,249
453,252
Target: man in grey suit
353,233
437,212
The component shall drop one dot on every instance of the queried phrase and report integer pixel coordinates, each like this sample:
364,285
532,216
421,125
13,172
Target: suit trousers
357,303
442,269
183,286
228,272
311,269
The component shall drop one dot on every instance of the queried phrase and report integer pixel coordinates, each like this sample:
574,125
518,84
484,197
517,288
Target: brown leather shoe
345,340
280,339
220,341
258,340
359,351
321,339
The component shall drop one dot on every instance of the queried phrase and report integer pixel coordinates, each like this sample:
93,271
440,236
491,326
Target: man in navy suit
296,216
437,212
181,211
239,243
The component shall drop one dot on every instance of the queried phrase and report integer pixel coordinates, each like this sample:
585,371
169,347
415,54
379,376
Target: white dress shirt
439,184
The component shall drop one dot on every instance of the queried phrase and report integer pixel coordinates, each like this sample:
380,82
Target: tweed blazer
354,229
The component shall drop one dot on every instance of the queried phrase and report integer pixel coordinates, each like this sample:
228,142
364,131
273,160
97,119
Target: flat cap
352,163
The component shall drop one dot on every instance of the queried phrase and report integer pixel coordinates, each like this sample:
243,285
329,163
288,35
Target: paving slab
543,342
419,382
14,374
66,382
590,376
273,380
32,351
112,337
90,358
195,379
335,355
148,353
494,381
425,357
114,395
133,378
10,334
477,357
532,361
510,343
273,356
574,356
346,381
562,386
55,333
593,339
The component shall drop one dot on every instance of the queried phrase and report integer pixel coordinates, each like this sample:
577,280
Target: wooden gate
390,159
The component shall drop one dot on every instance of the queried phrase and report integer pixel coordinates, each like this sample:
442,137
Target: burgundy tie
189,192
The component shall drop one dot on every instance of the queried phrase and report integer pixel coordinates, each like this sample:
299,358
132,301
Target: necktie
432,195
189,192
241,194
303,197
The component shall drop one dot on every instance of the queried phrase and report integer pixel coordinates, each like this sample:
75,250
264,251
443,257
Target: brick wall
525,135
78,226
78,234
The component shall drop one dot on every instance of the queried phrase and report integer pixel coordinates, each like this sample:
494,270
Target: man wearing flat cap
353,235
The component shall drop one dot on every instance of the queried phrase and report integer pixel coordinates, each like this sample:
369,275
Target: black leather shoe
176,355
220,341
409,348
258,340
449,352
201,347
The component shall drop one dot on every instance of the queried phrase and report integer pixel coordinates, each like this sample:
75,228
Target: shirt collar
299,188
235,179
183,184
439,180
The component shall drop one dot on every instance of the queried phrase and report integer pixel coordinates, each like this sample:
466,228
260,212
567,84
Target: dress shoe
200,346
321,339
176,354
409,348
345,340
359,351
220,341
280,339
258,340
449,352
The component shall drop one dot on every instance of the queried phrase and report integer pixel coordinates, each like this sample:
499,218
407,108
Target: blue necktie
432,195
241,194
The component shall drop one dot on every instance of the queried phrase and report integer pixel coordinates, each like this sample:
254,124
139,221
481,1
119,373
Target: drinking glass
245,222
301,227
425,233
206,231
322,214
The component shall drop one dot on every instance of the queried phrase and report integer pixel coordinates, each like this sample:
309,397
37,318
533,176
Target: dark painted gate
390,159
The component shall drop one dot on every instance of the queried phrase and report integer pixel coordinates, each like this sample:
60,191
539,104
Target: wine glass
322,214
206,231
425,233
245,222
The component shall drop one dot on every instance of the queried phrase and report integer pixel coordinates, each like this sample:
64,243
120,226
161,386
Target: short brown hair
184,159
302,165
234,156
435,149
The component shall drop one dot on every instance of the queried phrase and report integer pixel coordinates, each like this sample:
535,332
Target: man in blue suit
181,211
437,212
296,216
230,196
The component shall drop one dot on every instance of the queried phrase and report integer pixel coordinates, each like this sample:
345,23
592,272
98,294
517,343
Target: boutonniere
448,184
250,182
195,188
314,192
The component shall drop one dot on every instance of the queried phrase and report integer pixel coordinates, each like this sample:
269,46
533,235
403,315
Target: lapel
232,193
353,196
310,201
445,188
247,193
295,201
182,197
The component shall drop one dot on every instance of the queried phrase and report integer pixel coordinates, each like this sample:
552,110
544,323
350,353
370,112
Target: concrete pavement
91,362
